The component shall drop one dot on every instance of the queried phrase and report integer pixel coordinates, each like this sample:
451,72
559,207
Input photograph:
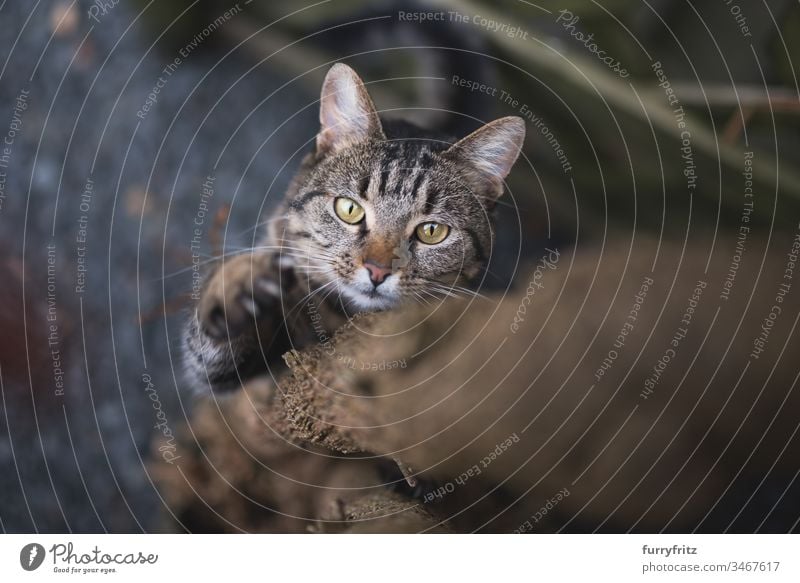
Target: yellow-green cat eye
432,233
348,210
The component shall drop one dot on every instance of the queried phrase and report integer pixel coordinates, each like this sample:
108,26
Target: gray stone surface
74,461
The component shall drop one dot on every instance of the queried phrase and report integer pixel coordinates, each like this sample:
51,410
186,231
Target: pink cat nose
377,273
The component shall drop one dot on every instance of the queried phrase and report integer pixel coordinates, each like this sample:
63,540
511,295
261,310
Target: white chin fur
365,303
364,297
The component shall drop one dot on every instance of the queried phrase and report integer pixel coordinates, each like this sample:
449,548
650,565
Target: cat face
381,217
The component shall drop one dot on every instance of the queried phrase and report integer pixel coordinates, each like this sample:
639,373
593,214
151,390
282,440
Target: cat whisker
312,269
421,298
295,240
307,298
469,292
283,248
309,254
293,252
327,295
260,224
431,294
456,291
210,259
446,293
453,290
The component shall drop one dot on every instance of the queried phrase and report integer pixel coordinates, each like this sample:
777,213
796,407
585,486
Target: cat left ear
492,150
347,114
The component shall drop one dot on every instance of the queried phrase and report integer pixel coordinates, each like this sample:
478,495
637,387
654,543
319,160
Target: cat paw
242,292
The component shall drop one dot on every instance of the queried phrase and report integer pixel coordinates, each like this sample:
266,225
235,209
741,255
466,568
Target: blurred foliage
621,134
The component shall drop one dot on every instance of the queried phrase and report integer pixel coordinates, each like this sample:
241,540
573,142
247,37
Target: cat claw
407,472
215,324
266,289
237,301
250,306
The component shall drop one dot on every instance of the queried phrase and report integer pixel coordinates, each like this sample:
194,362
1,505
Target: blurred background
113,115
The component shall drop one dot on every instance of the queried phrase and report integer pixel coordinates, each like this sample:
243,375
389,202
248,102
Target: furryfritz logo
31,556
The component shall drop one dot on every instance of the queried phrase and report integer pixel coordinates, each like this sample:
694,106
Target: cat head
382,217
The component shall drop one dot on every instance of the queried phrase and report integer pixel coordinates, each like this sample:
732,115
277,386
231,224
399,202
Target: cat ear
492,149
346,114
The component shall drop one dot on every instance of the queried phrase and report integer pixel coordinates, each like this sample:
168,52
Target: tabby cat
381,212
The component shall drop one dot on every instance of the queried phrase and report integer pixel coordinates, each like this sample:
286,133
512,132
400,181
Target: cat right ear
346,114
491,150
